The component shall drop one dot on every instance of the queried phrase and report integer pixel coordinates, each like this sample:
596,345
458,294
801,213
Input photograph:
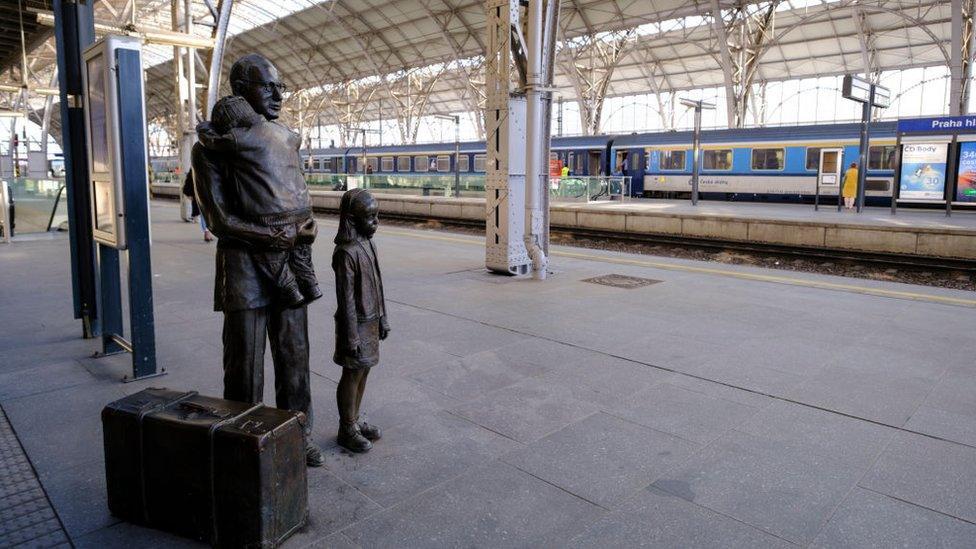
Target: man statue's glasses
270,87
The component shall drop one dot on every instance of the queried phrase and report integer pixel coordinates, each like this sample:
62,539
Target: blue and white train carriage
753,164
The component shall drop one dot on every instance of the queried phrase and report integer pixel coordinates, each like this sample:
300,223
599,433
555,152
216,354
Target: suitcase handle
193,406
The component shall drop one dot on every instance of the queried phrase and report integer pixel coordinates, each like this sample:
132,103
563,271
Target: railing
589,188
38,204
570,188
167,178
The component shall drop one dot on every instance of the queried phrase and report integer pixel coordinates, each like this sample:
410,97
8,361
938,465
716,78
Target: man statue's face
262,89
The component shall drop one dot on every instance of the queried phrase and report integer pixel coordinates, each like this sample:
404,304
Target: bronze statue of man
255,200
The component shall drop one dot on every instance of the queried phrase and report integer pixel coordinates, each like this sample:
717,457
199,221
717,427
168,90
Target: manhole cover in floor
622,281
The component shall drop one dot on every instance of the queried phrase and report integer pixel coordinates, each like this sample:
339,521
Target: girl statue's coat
360,317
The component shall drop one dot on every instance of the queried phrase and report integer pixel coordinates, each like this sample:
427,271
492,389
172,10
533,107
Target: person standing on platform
194,206
850,186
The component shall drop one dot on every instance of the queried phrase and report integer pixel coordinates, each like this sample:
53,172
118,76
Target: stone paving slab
497,506
765,483
869,519
702,411
935,474
602,458
26,516
655,518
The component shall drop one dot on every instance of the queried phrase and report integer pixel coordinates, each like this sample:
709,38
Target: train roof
581,141
578,141
447,146
820,132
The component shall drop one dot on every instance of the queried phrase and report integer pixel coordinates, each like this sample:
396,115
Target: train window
768,159
386,163
372,164
479,162
571,162
877,185
717,159
634,161
673,160
621,163
403,163
881,157
464,164
328,164
444,163
420,163
813,158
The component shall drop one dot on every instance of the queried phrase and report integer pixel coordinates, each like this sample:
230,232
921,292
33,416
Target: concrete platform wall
905,240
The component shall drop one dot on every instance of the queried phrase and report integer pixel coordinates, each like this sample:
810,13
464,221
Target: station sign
923,171
858,89
947,124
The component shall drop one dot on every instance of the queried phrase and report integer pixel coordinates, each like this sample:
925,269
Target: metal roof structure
350,61
16,16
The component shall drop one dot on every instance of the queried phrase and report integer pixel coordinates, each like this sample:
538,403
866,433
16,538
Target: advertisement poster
923,171
966,185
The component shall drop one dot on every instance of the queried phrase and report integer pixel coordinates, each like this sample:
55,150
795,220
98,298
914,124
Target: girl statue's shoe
371,432
351,439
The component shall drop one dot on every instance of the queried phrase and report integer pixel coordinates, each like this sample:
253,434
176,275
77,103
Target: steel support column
960,64
517,121
223,11
185,98
505,129
723,47
74,31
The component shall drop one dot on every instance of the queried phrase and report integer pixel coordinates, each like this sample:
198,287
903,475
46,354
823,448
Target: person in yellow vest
565,171
850,186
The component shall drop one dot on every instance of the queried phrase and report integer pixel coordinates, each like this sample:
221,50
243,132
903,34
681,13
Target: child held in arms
233,132
360,319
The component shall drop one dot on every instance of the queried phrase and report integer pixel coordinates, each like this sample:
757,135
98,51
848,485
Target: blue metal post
110,298
141,317
74,31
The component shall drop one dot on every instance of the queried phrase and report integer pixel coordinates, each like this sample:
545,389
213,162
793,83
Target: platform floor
875,216
722,406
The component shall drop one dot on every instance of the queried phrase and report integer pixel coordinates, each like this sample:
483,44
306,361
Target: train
752,164
749,164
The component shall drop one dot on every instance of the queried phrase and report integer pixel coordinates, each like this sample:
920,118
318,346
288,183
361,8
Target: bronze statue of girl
360,319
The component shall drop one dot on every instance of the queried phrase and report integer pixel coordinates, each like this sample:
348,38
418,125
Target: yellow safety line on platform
880,292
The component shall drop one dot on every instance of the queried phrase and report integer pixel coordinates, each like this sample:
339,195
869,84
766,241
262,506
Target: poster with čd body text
966,181
923,171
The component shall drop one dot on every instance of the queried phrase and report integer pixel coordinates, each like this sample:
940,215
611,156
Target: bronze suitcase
229,473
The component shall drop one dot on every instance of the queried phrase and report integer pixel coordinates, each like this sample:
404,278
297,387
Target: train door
828,172
593,163
621,162
636,172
